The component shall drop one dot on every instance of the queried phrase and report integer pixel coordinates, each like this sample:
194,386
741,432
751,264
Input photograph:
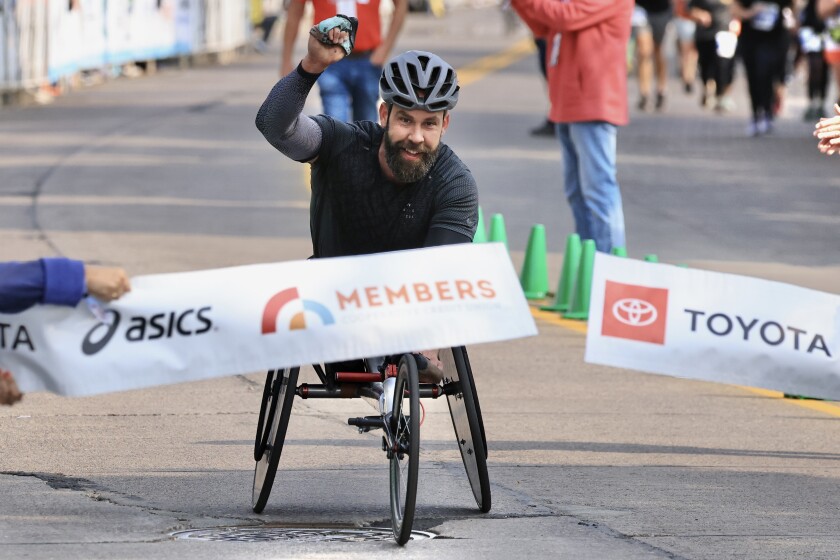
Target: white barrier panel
8,44
712,326
198,325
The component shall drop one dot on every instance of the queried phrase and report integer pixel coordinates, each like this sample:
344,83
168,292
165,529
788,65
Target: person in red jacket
587,87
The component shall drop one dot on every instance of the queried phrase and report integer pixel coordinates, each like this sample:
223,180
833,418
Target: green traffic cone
481,230
534,276
497,229
579,306
651,258
571,260
619,251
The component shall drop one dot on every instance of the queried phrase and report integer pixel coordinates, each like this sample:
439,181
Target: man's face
412,140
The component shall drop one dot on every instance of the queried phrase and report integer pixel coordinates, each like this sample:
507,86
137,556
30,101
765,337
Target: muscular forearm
281,121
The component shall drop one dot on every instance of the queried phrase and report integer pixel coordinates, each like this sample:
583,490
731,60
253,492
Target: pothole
264,533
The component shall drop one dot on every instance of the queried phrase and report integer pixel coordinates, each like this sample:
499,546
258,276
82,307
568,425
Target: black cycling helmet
419,80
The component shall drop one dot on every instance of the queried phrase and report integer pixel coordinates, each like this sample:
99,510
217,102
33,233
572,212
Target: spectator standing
716,44
650,24
587,87
763,45
547,127
350,88
55,281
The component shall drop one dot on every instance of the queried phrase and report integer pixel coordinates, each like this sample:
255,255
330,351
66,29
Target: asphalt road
167,173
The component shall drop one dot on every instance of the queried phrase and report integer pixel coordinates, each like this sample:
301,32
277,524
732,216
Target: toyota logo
634,312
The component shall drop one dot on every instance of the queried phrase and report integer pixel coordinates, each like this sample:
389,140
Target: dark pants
714,67
762,61
817,75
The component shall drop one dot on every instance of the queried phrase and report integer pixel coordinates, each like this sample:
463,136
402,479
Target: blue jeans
351,86
590,183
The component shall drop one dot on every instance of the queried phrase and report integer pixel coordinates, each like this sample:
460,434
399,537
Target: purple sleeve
64,281
21,285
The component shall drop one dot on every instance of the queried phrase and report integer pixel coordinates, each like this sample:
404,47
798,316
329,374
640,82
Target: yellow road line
825,407
556,319
820,406
483,66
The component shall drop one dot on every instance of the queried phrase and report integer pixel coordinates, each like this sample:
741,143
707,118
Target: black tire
466,419
278,398
405,463
262,435
475,399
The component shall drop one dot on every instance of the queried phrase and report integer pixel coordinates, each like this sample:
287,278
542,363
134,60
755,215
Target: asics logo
634,312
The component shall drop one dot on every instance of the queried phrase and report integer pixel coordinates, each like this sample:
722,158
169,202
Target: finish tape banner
719,327
197,325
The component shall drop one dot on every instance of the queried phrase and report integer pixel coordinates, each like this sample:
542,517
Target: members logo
160,325
635,312
299,308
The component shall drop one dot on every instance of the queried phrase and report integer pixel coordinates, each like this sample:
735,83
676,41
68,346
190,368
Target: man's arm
440,236
54,281
280,117
57,281
380,54
456,215
567,16
281,121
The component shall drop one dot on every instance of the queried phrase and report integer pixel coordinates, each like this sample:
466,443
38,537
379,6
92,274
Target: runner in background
716,44
763,45
685,27
649,23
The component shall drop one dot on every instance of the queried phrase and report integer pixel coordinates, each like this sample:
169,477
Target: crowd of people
768,38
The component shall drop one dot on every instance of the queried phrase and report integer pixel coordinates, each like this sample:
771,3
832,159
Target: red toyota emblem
635,312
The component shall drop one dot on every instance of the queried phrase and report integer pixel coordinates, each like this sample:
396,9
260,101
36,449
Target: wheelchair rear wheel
466,419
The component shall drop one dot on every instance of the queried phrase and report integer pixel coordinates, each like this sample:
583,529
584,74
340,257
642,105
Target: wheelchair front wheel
405,455
276,409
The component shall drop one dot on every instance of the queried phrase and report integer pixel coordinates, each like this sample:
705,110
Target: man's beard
409,171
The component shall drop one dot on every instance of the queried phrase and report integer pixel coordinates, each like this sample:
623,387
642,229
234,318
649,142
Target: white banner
712,326
198,325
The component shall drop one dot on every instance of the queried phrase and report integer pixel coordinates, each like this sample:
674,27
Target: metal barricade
44,41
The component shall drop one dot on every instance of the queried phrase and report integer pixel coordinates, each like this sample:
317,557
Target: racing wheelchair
399,419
